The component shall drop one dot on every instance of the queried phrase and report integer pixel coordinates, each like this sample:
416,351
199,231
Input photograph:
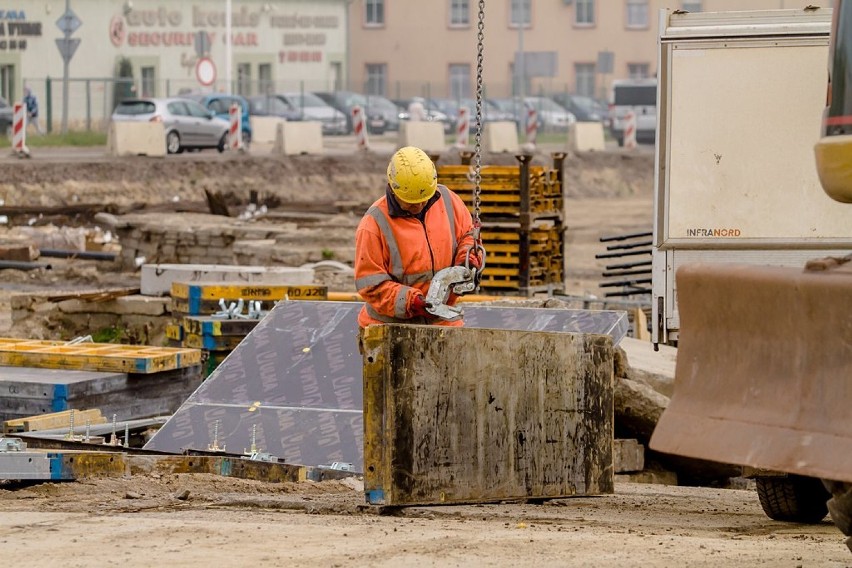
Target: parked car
586,109
639,96
344,101
220,104
490,111
314,108
433,113
6,118
273,105
552,117
188,125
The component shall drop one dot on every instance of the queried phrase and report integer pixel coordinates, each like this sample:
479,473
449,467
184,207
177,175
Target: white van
640,96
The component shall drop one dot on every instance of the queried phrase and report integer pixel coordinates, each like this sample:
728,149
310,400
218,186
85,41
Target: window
149,81
264,78
521,11
244,78
459,13
584,79
374,12
637,14
584,12
376,79
459,80
638,70
691,5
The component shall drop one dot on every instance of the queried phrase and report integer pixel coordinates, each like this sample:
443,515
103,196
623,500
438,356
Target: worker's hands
473,261
418,306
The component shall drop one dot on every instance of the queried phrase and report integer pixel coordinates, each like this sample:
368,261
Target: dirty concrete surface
139,521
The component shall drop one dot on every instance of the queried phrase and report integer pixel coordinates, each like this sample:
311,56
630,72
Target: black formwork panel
295,382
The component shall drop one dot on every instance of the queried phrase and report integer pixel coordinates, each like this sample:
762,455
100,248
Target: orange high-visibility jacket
397,254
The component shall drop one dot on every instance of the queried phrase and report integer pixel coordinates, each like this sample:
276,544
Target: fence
92,100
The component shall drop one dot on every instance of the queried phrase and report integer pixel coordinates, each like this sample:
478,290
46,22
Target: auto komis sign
303,38
16,29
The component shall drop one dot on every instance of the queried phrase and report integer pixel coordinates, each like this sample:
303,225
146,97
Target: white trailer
740,97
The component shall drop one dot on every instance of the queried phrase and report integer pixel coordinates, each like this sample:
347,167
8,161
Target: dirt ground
138,521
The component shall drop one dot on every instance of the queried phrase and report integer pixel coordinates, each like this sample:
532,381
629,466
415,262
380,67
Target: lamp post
228,54
522,75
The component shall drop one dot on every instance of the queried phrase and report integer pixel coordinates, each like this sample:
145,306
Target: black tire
840,505
173,143
793,498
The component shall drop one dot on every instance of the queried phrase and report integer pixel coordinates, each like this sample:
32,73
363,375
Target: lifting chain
478,249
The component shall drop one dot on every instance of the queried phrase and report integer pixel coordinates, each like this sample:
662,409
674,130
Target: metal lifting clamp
455,279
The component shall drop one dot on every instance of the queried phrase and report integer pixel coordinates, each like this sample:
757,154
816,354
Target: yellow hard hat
412,175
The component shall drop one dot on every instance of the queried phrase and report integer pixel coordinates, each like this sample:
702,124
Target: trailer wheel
793,498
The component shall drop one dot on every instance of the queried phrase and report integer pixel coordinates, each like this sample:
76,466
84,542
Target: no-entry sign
205,71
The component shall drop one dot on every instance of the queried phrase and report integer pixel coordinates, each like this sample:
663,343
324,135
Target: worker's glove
418,306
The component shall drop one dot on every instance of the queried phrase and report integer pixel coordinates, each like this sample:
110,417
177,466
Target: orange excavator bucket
764,368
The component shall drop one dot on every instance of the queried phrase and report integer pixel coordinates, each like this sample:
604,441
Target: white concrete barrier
586,137
500,137
298,138
136,139
263,128
428,136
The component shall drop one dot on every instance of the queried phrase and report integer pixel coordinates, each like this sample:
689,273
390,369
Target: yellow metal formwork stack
522,213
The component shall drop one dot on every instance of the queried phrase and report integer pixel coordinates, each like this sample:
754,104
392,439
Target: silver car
314,108
188,125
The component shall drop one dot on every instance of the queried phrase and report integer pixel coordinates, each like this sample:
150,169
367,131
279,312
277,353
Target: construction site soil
150,519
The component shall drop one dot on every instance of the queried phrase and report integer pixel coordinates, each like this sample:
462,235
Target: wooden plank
95,356
205,325
53,420
464,415
201,291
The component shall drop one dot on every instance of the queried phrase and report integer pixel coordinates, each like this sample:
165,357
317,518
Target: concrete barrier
586,137
298,138
264,128
500,137
428,136
136,139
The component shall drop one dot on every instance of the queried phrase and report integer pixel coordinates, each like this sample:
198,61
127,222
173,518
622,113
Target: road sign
68,23
205,71
67,47
605,61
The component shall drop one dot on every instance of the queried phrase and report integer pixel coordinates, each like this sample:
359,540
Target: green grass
73,138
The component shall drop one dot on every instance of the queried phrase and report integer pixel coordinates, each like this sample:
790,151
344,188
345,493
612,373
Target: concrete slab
293,138
428,136
586,137
298,378
500,137
157,279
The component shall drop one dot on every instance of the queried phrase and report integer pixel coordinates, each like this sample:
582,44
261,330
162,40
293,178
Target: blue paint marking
194,300
141,366
55,467
376,496
225,467
60,398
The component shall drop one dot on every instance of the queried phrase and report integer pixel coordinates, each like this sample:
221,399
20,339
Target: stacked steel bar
521,208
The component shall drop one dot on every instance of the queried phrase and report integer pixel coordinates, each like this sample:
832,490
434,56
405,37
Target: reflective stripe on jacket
397,254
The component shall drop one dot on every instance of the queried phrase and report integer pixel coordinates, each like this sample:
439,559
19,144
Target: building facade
402,49
161,48
397,48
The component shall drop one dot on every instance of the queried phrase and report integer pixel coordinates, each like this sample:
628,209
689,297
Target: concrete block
628,455
21,253
136,139
500,137
499,429
586,137
428,136
264,129
157,279
653,477
298,138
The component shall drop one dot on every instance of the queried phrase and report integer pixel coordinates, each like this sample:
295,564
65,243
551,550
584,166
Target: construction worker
416,229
